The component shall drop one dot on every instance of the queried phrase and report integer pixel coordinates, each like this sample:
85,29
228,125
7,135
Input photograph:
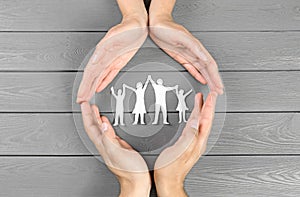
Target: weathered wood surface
211,176
246,91
243,133
63,51
196,15
256,44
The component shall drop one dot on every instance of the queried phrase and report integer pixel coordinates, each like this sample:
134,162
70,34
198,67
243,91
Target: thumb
195,115
107,128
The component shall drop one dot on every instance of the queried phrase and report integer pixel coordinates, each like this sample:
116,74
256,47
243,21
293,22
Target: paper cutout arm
151,80
130,88
189,92
123,91
172,88
177,93
147,82
113,92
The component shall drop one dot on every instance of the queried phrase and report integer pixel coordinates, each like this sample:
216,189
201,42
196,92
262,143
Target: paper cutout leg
160,98
139,108
119,106
182,107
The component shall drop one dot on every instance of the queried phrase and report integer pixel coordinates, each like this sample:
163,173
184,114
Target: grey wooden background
256,44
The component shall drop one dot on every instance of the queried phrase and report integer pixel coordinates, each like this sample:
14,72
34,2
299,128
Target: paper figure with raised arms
181,107
119,105
139,108
160,99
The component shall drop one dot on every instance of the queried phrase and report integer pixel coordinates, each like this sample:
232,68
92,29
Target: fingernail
84,107
213,97
194,124
104,127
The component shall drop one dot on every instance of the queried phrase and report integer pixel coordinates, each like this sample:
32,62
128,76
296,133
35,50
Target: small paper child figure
119,105
181,107
139,108
160,99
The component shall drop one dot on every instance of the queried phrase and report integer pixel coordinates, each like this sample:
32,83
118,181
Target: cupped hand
112,53
187,50
174,163
122,160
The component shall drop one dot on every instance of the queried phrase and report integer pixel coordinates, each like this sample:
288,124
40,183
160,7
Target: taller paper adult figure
139,108
181,107
160,99
119,105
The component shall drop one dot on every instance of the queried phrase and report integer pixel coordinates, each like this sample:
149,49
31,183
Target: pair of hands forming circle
112,53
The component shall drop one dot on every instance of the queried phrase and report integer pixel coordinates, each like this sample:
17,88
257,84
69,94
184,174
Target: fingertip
199,99
201,80
79,100
99,89
198,96
211,98
109,131
104,119
221,91
85,108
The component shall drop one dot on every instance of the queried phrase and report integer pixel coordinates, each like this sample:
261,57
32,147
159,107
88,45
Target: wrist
140,19
134,10
168,190
139,188
158,18
167,187
160,10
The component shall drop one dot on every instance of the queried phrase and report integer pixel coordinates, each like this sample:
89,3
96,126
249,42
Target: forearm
161,8
170,189
133,8
140,189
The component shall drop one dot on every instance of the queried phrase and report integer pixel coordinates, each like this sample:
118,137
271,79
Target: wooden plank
246,91
212,176
232,50
56,134
58,15
244,176
196,15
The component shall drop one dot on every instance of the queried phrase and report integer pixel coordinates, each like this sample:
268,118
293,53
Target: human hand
128,165
183,155
112,53
187,50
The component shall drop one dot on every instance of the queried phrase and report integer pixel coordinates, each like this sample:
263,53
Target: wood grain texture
211,176
232,50
58,15
56,134
196,15
246,91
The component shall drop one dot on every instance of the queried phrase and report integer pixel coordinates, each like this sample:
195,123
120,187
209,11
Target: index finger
207,116
90,122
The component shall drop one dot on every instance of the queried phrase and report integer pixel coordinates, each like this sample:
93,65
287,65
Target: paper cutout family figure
139,110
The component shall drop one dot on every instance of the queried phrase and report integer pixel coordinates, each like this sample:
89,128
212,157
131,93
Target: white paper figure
181,107
160,99
119,105
139,108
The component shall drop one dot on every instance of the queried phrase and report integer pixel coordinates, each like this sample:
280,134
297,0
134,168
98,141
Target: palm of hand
182,156
112,53
181,45
118,155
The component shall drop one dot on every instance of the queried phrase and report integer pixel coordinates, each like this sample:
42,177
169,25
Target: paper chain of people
160,101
